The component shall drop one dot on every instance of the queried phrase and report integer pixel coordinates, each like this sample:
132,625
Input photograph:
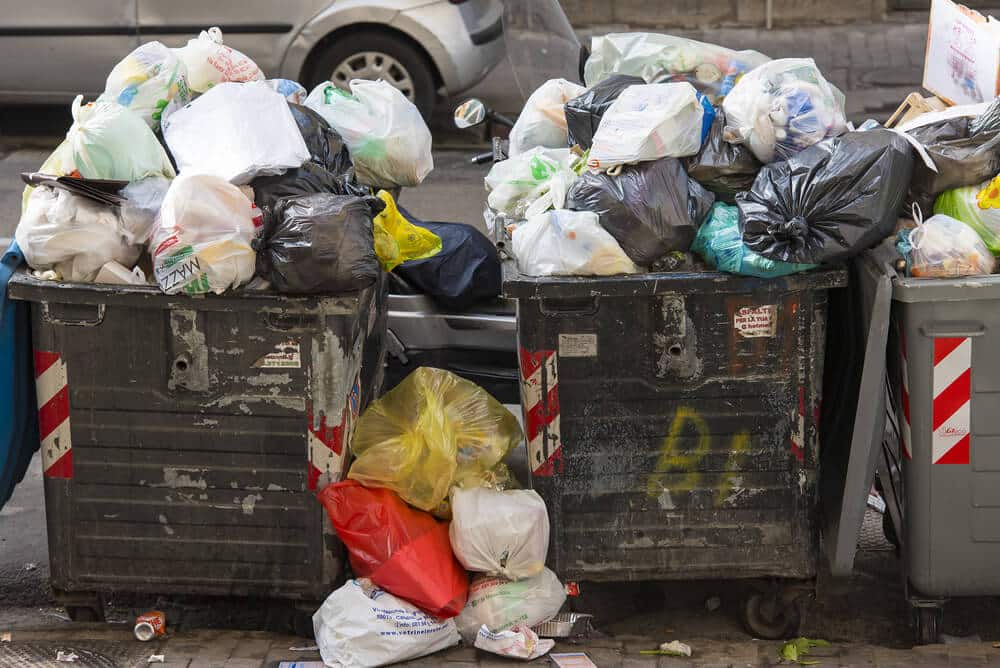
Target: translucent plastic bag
397,240
431,430
783,107
651,209
543,120
502,604
147,80
72,235
499,533
651,122
660,58
568,243
531,182
209,62
142,207
237,132
585,111
388,138
319,243
720,243
362,626
202,239
943,247
976,206
108,141
403,550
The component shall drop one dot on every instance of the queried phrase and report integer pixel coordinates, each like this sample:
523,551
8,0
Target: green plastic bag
721,245
976,206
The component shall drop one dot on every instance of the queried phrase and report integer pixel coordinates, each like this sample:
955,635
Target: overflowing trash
568,243
543,120
584,112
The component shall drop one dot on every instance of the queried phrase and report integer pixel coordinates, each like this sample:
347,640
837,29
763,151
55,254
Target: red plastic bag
401,549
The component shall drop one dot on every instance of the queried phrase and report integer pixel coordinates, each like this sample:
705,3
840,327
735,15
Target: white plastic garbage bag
202,242
389,141
362,626
659,58
543,120
531,182
502,604
944,247
108,141
209,62
499,533
142,206
568,243
782,107
237,132
519,642
147,80
647,123
72,235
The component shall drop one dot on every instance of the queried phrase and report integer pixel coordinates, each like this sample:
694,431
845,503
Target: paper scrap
572,660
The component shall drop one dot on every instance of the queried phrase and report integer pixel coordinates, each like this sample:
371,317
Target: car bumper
465,41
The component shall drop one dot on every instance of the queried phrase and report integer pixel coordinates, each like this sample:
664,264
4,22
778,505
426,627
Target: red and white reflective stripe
952,399
904,431
798,436
540,398
326,442
52,392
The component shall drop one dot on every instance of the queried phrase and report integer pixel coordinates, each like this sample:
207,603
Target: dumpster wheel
927,624
770,616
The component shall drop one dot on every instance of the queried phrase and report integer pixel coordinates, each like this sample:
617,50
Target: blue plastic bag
720,243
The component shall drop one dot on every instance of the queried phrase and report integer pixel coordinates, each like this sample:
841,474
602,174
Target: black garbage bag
466,271
722,167
326,148
961,157
308,179
585,111
829,202
651,208
319,243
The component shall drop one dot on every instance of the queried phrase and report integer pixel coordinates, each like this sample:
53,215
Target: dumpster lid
517,285
913,290
25,287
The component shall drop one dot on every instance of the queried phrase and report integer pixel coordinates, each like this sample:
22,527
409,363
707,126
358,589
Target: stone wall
722,13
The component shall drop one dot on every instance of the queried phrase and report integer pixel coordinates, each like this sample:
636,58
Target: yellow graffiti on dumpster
682,465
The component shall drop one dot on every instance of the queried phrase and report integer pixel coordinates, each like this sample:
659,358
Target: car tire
413,67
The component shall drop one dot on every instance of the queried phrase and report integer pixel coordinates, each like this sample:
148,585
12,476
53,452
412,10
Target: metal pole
768,13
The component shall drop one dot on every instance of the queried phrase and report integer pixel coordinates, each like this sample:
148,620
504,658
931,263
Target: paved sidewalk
112,645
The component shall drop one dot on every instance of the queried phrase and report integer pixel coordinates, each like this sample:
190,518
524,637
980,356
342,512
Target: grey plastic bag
319,243
962,158
829,202
722,167
651,208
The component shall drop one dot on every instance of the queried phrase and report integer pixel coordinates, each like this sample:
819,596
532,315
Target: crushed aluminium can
150,625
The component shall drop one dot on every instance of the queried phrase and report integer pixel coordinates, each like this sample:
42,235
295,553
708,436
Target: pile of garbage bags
194,172
439,538
677,148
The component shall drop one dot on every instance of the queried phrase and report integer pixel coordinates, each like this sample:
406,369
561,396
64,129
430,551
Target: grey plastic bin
184,438
948,413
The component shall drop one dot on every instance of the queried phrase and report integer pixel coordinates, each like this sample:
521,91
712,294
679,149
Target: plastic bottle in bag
568,243
209,62
543,120
783,107
651,122
202,241
147,80
943,247
389,141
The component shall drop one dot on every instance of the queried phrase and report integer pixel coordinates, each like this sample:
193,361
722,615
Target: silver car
52,50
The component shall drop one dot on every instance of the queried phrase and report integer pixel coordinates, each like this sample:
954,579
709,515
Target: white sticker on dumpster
578,345
756,321
286,355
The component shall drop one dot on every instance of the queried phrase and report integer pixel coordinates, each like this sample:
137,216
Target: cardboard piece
962,64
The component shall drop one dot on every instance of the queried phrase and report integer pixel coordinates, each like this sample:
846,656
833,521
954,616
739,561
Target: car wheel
377,55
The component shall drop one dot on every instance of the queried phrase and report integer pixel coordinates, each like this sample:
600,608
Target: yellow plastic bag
398,240
429,432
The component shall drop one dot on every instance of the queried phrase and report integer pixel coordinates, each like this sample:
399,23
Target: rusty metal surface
201,429
680,435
